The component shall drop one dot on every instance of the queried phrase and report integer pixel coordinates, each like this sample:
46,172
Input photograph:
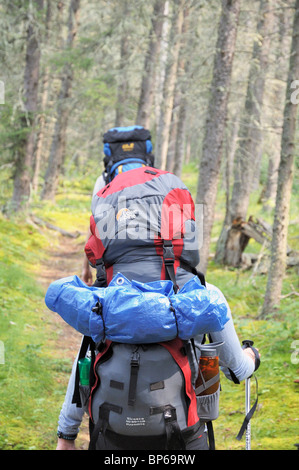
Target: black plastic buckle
168,255
135,359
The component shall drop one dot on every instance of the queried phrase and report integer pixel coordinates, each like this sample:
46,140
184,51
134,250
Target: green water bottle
84,369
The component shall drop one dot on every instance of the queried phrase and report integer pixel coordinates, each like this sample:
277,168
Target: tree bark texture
250,136
281,70
44,101
147,91
160,78
285,179
216,120
176,139
180,138
22,178
59,138
169,84
247,158
123,86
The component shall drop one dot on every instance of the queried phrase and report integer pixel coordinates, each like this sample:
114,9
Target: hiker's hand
250,353
64,444
87,275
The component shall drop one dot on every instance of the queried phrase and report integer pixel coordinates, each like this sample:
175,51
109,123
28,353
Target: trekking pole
249,411
247,344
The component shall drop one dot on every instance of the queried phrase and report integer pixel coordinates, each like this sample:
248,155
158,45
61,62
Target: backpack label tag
128,147
135,421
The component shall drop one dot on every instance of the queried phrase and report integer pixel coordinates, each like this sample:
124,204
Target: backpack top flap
126,143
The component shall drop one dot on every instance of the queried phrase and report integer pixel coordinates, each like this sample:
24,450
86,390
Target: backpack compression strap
100,428
169,259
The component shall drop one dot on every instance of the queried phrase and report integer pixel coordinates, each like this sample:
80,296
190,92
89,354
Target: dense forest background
216,83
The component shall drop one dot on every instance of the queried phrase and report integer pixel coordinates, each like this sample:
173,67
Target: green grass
71,211
30,388
275,424
33,378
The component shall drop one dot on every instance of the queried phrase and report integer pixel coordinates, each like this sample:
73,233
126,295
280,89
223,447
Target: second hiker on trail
146,318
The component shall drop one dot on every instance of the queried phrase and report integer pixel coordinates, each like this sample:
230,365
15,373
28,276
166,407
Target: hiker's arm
86,271
65,444
231,355
70,416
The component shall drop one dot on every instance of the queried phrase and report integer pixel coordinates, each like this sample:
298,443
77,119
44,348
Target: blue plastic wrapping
135,312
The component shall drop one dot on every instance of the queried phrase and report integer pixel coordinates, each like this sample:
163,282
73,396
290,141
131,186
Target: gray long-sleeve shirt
231,356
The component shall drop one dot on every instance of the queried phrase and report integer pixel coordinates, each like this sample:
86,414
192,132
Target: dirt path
65,259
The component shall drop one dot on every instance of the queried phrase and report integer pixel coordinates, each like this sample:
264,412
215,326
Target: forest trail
65,259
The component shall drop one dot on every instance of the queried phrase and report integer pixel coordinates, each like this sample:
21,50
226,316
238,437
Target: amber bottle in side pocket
208,379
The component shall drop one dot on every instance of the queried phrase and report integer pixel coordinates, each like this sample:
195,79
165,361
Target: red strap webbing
99,356
174,347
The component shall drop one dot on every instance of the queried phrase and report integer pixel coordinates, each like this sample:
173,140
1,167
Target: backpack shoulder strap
168,259
101,280
193,270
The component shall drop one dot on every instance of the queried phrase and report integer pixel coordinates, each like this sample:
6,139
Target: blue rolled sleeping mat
135,312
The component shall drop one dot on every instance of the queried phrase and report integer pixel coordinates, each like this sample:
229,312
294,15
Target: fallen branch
289,295
50,226
257,229
293,292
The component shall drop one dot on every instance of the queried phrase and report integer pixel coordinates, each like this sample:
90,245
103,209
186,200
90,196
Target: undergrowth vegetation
29,377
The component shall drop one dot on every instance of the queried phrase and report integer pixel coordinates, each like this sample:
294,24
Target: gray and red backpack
143,226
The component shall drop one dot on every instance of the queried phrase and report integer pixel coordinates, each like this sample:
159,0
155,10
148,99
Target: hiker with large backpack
120,157
143,337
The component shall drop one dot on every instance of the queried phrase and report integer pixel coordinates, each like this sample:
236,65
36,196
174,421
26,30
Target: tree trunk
22,178
216,120
173,132
285,179
187,150
178,114
59,138
147,92
169,84
180,139
44,101
249,142
249,148
230,148
159,81
122,90
281,66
